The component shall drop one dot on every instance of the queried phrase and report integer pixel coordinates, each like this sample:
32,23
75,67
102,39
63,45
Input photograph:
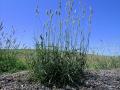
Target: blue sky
105,37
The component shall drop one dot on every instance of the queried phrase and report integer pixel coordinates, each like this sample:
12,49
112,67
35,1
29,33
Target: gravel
96,80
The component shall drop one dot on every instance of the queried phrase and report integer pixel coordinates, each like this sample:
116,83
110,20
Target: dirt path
101,80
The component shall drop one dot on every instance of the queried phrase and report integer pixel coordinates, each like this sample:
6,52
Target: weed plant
9,61
61,48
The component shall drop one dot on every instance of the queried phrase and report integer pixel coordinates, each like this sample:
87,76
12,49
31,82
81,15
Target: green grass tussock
9,62
60,57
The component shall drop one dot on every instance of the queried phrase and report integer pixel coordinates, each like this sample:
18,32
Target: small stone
68,88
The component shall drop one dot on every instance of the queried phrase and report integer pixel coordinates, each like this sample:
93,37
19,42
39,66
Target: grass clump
59,69
9,62
60,56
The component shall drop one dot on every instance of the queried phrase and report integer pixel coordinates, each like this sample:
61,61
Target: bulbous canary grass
61,62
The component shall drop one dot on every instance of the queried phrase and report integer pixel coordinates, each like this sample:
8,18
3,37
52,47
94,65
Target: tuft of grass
9,62
58,68
60,56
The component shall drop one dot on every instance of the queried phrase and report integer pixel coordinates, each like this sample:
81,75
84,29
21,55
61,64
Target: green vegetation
97,62
60,57
9,62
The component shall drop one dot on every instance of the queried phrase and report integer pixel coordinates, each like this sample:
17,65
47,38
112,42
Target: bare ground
97,80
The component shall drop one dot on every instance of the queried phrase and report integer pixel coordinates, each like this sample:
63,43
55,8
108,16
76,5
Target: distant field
13,60
102,62
94,62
